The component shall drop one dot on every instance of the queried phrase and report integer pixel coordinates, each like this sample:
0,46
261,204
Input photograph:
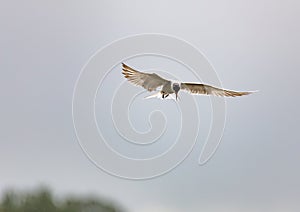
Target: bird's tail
159,95
156,95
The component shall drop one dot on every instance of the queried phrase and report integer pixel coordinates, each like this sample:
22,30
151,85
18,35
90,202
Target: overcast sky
253,45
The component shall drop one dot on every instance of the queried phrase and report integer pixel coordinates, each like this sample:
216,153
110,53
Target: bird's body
152,81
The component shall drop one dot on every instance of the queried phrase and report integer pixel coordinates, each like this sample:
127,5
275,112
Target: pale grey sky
253,45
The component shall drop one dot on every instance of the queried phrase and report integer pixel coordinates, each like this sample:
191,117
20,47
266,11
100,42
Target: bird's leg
162,94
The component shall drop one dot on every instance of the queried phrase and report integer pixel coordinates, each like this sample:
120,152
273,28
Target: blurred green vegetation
42,200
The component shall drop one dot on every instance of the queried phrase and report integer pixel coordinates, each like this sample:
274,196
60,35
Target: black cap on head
176,88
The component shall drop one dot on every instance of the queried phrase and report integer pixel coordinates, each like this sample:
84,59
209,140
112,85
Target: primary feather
196,88
146,80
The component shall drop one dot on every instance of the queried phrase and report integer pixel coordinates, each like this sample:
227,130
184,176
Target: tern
151,81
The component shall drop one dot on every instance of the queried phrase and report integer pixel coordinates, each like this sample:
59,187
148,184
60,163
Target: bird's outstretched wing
146,80
210,90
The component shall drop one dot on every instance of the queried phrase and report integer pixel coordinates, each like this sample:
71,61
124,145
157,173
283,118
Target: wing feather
210,90
146,80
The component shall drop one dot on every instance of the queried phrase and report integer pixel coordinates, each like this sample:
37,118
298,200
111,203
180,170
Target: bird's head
176,88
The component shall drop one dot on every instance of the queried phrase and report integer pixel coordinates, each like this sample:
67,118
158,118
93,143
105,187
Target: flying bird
152,81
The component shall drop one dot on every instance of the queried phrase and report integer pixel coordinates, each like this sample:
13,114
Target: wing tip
125,66
241,93
250,92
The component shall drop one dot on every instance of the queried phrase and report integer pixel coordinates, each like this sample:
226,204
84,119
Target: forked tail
160,96
156,95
